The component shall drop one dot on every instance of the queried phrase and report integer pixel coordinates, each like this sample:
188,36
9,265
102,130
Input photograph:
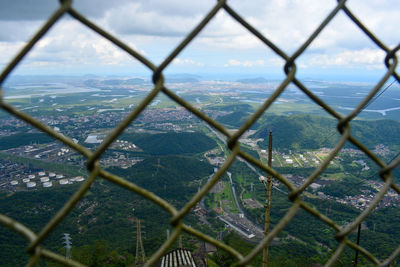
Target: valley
172,153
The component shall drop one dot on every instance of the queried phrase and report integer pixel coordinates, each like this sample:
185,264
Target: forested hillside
302,131
171,142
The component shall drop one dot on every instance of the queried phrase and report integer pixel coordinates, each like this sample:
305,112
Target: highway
251,167
234,193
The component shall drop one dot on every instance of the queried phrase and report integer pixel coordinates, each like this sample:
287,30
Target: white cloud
246,63
288,23
8,50
136,19
69,43
158,26
367,58
187,61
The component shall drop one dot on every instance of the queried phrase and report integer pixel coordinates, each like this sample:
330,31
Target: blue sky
155,28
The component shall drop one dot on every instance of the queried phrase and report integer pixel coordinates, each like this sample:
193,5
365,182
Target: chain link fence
96,170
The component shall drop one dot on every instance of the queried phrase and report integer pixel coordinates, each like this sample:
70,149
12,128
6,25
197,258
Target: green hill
23,139
171,142
236,118
302,131
173,173
106,211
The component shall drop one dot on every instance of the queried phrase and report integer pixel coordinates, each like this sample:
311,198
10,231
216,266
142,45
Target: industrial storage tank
47,184
44,179
79,178
31,176
41,173
59,176
14,182
30,184
52,175
63,181
25,180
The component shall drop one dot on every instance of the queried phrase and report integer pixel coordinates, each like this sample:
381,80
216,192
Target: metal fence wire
95,169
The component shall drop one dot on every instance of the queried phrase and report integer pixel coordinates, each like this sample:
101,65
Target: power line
377,96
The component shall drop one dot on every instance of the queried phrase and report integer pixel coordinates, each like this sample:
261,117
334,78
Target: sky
224,47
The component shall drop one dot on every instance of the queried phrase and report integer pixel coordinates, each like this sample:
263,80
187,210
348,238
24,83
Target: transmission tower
358,243
180,242
140,255
158,165
68,243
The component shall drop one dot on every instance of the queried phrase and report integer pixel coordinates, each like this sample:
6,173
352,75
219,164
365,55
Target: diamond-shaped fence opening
176,216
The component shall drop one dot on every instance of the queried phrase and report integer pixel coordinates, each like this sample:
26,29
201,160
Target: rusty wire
95,169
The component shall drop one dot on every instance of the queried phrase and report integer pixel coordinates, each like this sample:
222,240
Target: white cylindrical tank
52,174
41,173
63,181
25,180
79,178
47,184
31,176
14,182
59,176
30,184
44,179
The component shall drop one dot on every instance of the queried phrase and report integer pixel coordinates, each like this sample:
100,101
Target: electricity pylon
140,255
180,241
68,243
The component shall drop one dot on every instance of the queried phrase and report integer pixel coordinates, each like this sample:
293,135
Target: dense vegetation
299,255
311,132
106,213
349,186
22,139
236,118
314,241
167,176
173,169
171,142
